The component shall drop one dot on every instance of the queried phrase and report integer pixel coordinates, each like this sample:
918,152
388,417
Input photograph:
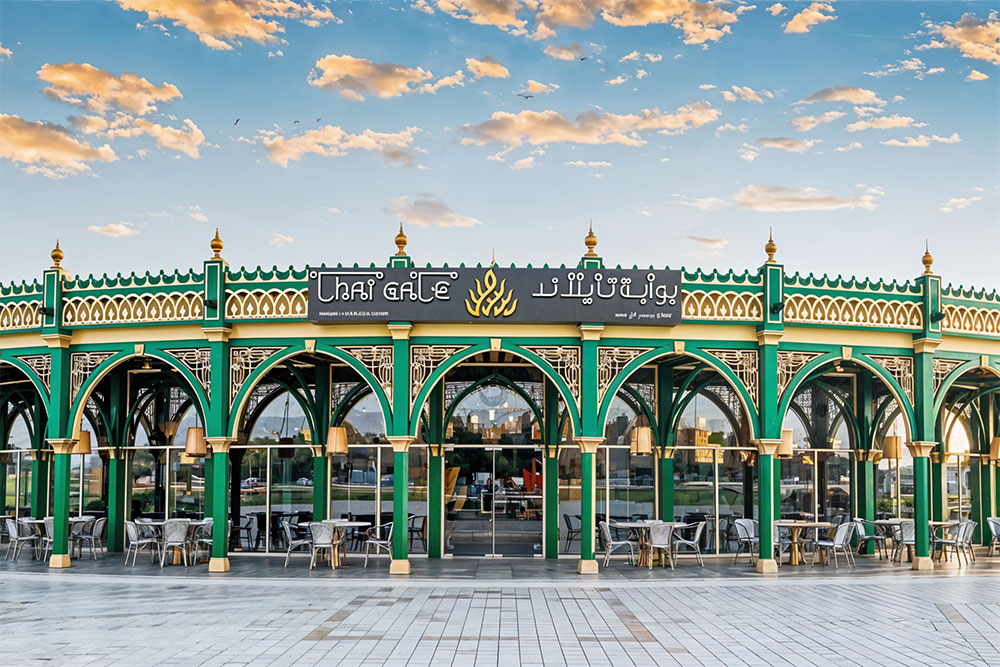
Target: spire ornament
590,241
771,247
928,258
57,256
400,241
216,245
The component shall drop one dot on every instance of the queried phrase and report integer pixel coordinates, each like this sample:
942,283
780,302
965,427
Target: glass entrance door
493,501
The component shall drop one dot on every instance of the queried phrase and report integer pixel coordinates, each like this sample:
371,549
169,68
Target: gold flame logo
489,299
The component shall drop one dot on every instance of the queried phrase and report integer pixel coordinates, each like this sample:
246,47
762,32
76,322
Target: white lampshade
892,447
787,444
83,444
336,441
195,444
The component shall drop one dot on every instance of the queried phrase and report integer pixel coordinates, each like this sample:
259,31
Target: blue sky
133,173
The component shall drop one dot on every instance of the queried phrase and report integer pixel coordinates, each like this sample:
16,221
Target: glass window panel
95,497
417,500
253,498
148,480
569,499
797,485
187,485
737,493
291,493
835,477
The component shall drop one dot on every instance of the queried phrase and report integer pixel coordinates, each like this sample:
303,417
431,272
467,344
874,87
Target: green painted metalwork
435,473
220,504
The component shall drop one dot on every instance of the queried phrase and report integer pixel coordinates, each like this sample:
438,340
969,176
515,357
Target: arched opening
25,461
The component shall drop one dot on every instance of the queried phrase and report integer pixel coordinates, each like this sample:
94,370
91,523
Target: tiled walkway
475,612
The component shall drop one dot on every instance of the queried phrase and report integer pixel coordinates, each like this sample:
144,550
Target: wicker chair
175,536
660,538
695,542
322,540
202,538
293,544
137,542
90,536
19,535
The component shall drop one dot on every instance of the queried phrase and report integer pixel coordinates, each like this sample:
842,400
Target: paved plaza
502,612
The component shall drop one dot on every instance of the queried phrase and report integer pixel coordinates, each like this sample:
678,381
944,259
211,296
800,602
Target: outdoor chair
864,538
19,534
781,542
245,531
202,538
694,542
48,538
572,530
175,536
610,546
374,540
954,543
137,542
416,529
994,523
907,532
76,529
90,536
292,543
745,539
322,535
841,542
659,538
966,543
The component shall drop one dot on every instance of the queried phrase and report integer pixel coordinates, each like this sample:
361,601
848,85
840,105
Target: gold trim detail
424,359
942,369
16,315
790,363
243,361
900,368
132,308
81,365
743,363
41,364
564,360
717,305
262,304
377,360
199,362
971,320
610,362
852,311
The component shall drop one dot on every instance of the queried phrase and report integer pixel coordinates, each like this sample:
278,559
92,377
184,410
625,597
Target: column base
399,567
218,565
59,560
922,563
767,566
586,567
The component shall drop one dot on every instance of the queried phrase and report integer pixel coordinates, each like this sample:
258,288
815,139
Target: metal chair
966,543
48,538
90,536
137,542
907,537
322,535
19,536
175,536
378,543
202,538
416,529
695,541
571,531
745,539
660,538
610,546
994,524
864,538
294,544
841,542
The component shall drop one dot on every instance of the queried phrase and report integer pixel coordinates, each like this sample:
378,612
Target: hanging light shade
336,441
169,428
787,444
641,443
195,444
83,444
995,449
892,447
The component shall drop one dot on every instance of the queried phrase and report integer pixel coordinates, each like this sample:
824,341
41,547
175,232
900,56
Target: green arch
498,379
953,377
31,375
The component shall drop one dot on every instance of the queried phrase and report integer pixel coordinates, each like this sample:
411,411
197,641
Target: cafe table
641,529
339,525
795,528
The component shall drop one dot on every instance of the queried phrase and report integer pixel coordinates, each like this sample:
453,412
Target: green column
765,462
60,504
401,441
665,438
220,504
435,503
865,489
321,490
776,489
39,485
667,485
588,483
209,485
117,506
550,469
921,511
321,485
400,505
938,491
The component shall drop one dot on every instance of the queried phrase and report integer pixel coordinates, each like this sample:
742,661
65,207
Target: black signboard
494,295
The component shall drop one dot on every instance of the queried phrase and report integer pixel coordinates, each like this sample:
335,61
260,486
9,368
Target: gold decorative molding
219,445
310,344
132,308
260,304
495,344
610,362
199,362
400,443
900,368
678,347
591,331
217,334
767,447
971,320
424,360
920,448
41,364
721,305
743,363
942,369
57,341
790,363
565,360
589,445
243,361
803,308
769,337
400,331
926,345
377,360
81,365
18,315
62,445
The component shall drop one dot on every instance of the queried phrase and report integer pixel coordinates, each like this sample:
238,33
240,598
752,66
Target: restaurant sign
493,294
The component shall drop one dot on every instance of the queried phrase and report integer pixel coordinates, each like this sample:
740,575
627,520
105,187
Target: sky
306,132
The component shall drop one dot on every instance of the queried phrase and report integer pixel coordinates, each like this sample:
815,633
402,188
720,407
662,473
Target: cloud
114,229
278,240
806,123
221,24
787,144
849,147
702,203
587,165
653,57
618,80
747,94
5,52
915,65
590,127
523,163
973,37
195,213
810,16
333,141
422,6
332,209
776,198
742,9
976,75
641,74
631,56
776,9
48,149
645,211
354,78
537,87
700,22
707,86
883,123
843,94
186,139
729,127
568,52
748,153
499,13
709,246
93,88
426,210
487,67
277,53
922,141
956,203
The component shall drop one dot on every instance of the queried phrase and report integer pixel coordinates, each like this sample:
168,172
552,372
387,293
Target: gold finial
57,256
216,245
493,256
928,258
400,242
771,247
590,241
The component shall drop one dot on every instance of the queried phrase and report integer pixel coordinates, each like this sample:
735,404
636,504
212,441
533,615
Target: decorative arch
954,376
190,385
691,395
710,360
517,350
32,375
830,358
494,379
252,380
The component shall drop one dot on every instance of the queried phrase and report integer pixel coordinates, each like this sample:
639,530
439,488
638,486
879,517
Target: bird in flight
318,119
583,58
527,97
295,122
237,121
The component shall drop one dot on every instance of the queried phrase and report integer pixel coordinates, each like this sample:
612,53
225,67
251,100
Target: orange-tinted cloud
93,88
47,149
354,78
488,66
333,141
